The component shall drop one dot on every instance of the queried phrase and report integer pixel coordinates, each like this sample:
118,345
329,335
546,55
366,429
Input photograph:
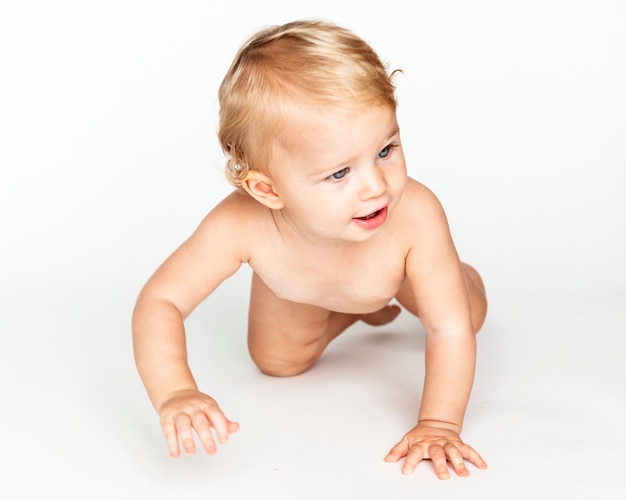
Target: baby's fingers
175,429
184,430
171,438
414,456
223,427
398,451
456,459
472,455
203,429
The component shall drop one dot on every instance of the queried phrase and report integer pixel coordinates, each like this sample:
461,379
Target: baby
333,230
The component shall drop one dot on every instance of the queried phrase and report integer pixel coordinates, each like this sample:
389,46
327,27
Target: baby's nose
374,184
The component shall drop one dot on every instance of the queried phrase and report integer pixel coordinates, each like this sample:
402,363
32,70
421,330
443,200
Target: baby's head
284,69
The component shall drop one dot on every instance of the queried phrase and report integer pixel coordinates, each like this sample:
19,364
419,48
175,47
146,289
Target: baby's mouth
370,216
373,220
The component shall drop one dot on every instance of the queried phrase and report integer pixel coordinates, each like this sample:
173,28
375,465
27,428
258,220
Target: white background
514,113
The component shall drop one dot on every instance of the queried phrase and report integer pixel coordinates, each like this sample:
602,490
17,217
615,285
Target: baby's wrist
441,424
164,397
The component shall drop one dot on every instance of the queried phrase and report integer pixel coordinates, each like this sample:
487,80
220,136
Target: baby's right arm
161,357
189,275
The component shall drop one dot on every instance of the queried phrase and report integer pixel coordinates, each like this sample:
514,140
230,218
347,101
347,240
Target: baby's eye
340,174
384,153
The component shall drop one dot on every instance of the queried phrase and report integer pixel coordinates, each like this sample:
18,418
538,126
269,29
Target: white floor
547,411
512,112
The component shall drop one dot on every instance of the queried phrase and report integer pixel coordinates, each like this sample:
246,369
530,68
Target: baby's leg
475,290
286,338
477,295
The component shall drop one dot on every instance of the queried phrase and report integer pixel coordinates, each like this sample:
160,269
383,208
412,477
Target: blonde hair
301,62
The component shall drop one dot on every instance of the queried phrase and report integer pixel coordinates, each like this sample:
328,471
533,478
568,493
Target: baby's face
340,175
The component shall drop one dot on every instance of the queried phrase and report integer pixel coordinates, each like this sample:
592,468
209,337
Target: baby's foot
383,316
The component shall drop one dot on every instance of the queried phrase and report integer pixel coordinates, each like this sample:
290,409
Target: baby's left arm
447,385
441,295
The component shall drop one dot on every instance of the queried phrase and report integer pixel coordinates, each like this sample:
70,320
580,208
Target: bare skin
280,354
329,245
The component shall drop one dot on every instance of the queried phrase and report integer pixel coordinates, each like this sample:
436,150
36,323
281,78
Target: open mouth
373,220
370,216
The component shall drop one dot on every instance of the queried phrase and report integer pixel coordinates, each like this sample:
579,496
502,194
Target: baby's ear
261,188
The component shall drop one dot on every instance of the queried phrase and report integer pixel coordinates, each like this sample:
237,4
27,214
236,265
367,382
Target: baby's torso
361,283
356,278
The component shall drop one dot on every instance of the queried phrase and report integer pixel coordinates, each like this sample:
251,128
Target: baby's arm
441,297
189,275
161,357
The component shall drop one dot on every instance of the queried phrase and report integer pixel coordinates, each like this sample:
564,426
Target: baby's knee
478,297
276,367
283,369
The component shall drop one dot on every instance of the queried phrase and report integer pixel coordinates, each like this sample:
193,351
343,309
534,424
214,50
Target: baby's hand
428,440
187,410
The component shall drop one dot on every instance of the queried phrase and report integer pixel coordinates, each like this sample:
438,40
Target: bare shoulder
420,206
236,207
431,248
233,223
227,236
